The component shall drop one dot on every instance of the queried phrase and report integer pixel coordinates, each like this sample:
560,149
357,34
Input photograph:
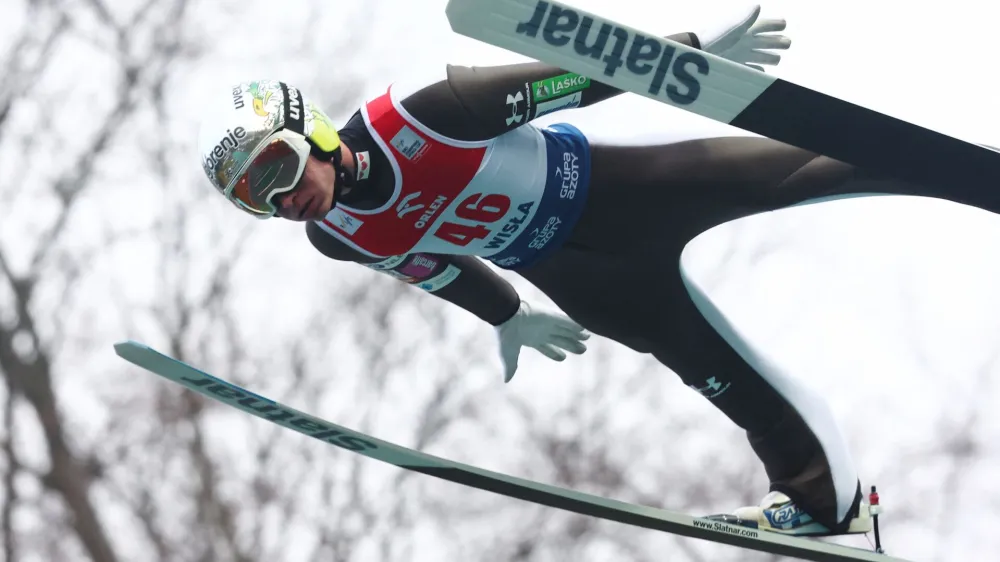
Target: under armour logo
405,207
512,101
712,388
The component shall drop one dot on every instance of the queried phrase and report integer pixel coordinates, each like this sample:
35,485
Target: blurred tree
109,230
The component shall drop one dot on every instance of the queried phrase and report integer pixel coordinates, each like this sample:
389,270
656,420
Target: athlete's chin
315,209
323,208
311,212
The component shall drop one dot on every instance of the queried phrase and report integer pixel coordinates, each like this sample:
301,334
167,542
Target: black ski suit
618,272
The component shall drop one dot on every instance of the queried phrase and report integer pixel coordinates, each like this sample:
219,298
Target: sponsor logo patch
229,143
238,97
388,263
568,102
364,165
513,100
667,72
568,175
559,86
411,145
541,236
398,275
441,280
420,266
712,388
340,220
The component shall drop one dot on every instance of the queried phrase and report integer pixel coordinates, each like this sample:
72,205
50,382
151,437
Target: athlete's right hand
550,333
747,41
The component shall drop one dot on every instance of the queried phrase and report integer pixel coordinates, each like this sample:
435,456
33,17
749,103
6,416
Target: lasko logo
557,26
225,146
559,86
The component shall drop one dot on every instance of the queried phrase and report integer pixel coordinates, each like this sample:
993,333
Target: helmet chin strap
341,179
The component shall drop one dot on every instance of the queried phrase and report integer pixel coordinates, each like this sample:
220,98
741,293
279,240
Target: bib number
480,209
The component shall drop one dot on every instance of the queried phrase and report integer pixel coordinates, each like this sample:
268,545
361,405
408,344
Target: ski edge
736,95
722,95
565,499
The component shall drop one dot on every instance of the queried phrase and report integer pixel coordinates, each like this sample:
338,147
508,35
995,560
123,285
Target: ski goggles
274,168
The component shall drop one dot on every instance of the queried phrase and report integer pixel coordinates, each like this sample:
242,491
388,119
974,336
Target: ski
511,486
670,72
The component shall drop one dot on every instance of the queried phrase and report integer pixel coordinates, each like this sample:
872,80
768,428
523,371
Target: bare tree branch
10,495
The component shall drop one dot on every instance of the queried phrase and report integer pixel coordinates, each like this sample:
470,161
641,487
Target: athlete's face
312,197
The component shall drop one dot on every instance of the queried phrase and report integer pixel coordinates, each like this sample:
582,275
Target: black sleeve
479,290
471,284
479,103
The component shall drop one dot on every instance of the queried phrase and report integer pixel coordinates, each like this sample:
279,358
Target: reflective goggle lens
274,170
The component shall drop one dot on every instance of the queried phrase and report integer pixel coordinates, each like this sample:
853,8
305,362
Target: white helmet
237,125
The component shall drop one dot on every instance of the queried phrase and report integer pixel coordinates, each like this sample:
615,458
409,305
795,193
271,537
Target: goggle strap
323,154
294,109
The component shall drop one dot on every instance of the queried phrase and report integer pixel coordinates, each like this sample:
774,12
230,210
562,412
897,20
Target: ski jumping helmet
254,142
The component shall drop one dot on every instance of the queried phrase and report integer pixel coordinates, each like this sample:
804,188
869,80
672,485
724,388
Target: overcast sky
887,305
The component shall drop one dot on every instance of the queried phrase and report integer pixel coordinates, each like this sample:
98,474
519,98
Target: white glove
744,41
547,332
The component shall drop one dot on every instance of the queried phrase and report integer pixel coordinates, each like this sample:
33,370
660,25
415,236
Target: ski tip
123,347
451,9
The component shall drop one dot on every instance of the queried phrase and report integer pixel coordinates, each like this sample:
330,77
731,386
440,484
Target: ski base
686,78
511,486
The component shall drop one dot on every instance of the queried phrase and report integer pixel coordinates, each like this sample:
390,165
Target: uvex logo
294,104
560,26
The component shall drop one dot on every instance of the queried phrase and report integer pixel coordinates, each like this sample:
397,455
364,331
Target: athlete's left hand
744,41
548,332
